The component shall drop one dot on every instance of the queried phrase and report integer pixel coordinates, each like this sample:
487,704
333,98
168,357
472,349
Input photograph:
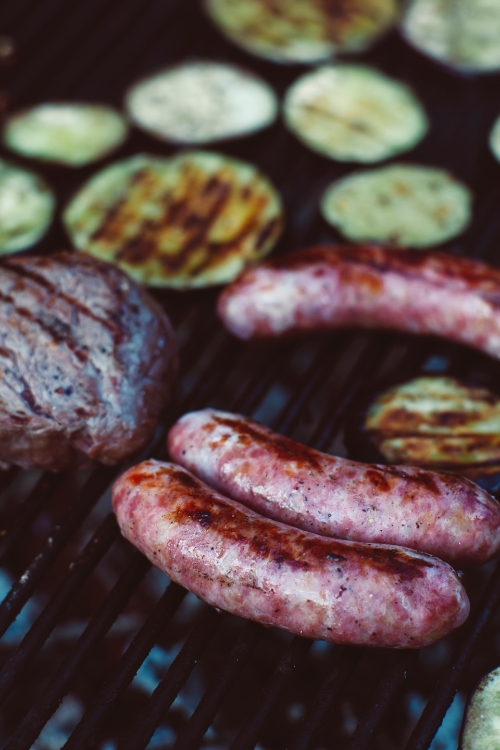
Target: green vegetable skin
481,727
438,422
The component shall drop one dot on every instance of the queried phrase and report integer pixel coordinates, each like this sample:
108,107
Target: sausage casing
254,567
440,514
364,285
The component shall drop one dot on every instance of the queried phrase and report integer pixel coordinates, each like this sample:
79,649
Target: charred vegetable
288,31
201,102
481,727
72,134
403,204
354,113
438,422
463,34
26,208
193,220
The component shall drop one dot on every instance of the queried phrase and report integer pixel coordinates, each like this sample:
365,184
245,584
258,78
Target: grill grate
83,612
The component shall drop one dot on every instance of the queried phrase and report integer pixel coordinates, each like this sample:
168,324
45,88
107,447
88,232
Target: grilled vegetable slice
288,31
481,727
402,204
72,134
201,102
193,220
495,139
26,208
438,422
354,113
463,34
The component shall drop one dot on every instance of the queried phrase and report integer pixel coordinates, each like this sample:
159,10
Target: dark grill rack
89,608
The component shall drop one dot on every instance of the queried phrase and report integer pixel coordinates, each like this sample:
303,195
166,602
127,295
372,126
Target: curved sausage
263,570
364,285
440,514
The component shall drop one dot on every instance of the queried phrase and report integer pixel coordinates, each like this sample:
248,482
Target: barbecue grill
98,650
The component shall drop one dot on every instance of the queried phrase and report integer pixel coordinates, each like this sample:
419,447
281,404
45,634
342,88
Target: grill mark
25,273
58,330
268,539
251,434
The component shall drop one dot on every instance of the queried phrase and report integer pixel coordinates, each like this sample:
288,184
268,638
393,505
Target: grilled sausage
363,285
257,568
440,514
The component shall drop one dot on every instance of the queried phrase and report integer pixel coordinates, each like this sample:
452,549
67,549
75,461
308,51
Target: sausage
241,562
440,514
370,286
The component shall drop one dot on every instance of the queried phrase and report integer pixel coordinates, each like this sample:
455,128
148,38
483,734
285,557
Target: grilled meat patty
87,362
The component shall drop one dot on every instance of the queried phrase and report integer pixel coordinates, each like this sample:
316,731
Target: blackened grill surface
90,612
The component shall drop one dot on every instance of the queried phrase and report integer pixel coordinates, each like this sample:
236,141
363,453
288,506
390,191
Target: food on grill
402,204
481,726
192,220
354,113
66,133
202,102
87,361
26,208
495,139
464,34
288,31
323,288
440,514
438,422
235,559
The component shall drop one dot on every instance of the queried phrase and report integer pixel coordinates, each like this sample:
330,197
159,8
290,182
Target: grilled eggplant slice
72,134
438,422
402,204
354,113
481,726
306,31
193,220
201,102
26,208
462,34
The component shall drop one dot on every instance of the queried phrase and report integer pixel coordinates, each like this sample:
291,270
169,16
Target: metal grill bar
85,733
324,703
61,600
24,587
446,687
39,714
205,712
249,733
178,673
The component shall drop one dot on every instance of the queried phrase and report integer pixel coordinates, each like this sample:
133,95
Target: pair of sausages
355,592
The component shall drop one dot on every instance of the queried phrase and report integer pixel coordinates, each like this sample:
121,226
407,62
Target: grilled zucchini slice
306,31
402,204
438,422
26,208
462,34
354,113
193,220
72,134
201,102
481,726
495,139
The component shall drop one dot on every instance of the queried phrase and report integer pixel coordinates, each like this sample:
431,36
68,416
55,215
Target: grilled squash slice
26,208
201,102
354,113
288,31
73,134
193,220
438,422
402,204
481,726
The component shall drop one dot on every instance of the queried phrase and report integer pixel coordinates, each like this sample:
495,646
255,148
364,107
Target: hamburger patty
87,360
